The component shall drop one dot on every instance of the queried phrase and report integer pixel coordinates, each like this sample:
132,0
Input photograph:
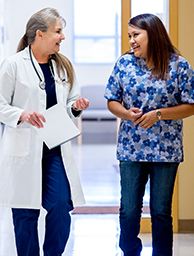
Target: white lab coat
20,146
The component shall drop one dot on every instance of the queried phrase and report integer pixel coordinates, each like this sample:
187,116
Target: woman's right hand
134,114
32,117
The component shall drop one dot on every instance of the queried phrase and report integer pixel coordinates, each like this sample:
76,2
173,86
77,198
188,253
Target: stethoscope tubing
42,84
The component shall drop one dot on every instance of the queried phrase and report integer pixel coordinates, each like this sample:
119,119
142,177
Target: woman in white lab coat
34,79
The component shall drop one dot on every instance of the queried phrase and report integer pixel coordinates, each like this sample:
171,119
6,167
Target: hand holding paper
32,117
58,128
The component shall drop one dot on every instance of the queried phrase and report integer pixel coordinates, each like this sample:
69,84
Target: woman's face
138,41
53,37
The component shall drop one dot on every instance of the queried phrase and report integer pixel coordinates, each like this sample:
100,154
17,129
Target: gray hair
41,20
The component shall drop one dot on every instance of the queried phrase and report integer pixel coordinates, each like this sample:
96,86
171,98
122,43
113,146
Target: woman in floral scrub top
151,89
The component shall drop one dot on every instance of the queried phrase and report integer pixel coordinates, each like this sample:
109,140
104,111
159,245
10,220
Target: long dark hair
160,48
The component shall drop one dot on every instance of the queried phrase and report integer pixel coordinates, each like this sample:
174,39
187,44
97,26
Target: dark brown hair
160,48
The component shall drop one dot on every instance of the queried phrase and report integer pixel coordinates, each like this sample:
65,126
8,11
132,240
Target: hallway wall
186,172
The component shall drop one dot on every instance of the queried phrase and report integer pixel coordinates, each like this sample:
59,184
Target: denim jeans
56,200
134,176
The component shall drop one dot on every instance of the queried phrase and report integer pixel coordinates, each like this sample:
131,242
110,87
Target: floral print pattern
130,84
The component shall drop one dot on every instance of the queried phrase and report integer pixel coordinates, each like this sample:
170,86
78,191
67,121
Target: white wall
17,14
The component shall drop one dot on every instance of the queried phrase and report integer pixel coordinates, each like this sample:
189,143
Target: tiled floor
99,178
93,234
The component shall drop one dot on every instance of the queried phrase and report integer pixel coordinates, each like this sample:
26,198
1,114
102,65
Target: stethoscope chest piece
42,85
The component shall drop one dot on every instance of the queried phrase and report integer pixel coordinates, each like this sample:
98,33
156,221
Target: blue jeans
56,200
134,176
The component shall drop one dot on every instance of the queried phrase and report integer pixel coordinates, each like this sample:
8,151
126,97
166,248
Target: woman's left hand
147,120
81,104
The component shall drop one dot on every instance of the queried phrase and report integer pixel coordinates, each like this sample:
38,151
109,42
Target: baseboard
96,210
101,210
186,226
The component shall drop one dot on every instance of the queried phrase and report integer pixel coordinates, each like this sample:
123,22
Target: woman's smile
138,41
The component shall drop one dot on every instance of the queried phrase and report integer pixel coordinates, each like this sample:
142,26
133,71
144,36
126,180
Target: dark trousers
56,200
134,176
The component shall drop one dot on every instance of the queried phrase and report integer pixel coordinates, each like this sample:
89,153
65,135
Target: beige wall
186,170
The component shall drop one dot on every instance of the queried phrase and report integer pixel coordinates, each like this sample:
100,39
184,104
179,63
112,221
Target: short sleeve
114,89
185,81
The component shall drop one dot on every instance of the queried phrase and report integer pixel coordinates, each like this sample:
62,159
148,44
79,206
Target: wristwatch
158,114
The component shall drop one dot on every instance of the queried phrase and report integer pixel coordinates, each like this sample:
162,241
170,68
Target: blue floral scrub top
130,83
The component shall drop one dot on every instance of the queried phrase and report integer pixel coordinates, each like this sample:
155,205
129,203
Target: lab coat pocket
16,142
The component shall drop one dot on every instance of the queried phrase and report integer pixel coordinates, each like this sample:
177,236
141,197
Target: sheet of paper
59,128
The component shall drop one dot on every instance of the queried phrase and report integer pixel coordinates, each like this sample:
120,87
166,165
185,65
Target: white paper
58,128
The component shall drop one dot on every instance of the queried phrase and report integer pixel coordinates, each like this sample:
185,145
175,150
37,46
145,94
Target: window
157,7
97,31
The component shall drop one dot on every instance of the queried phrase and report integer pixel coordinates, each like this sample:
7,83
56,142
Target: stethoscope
42,84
